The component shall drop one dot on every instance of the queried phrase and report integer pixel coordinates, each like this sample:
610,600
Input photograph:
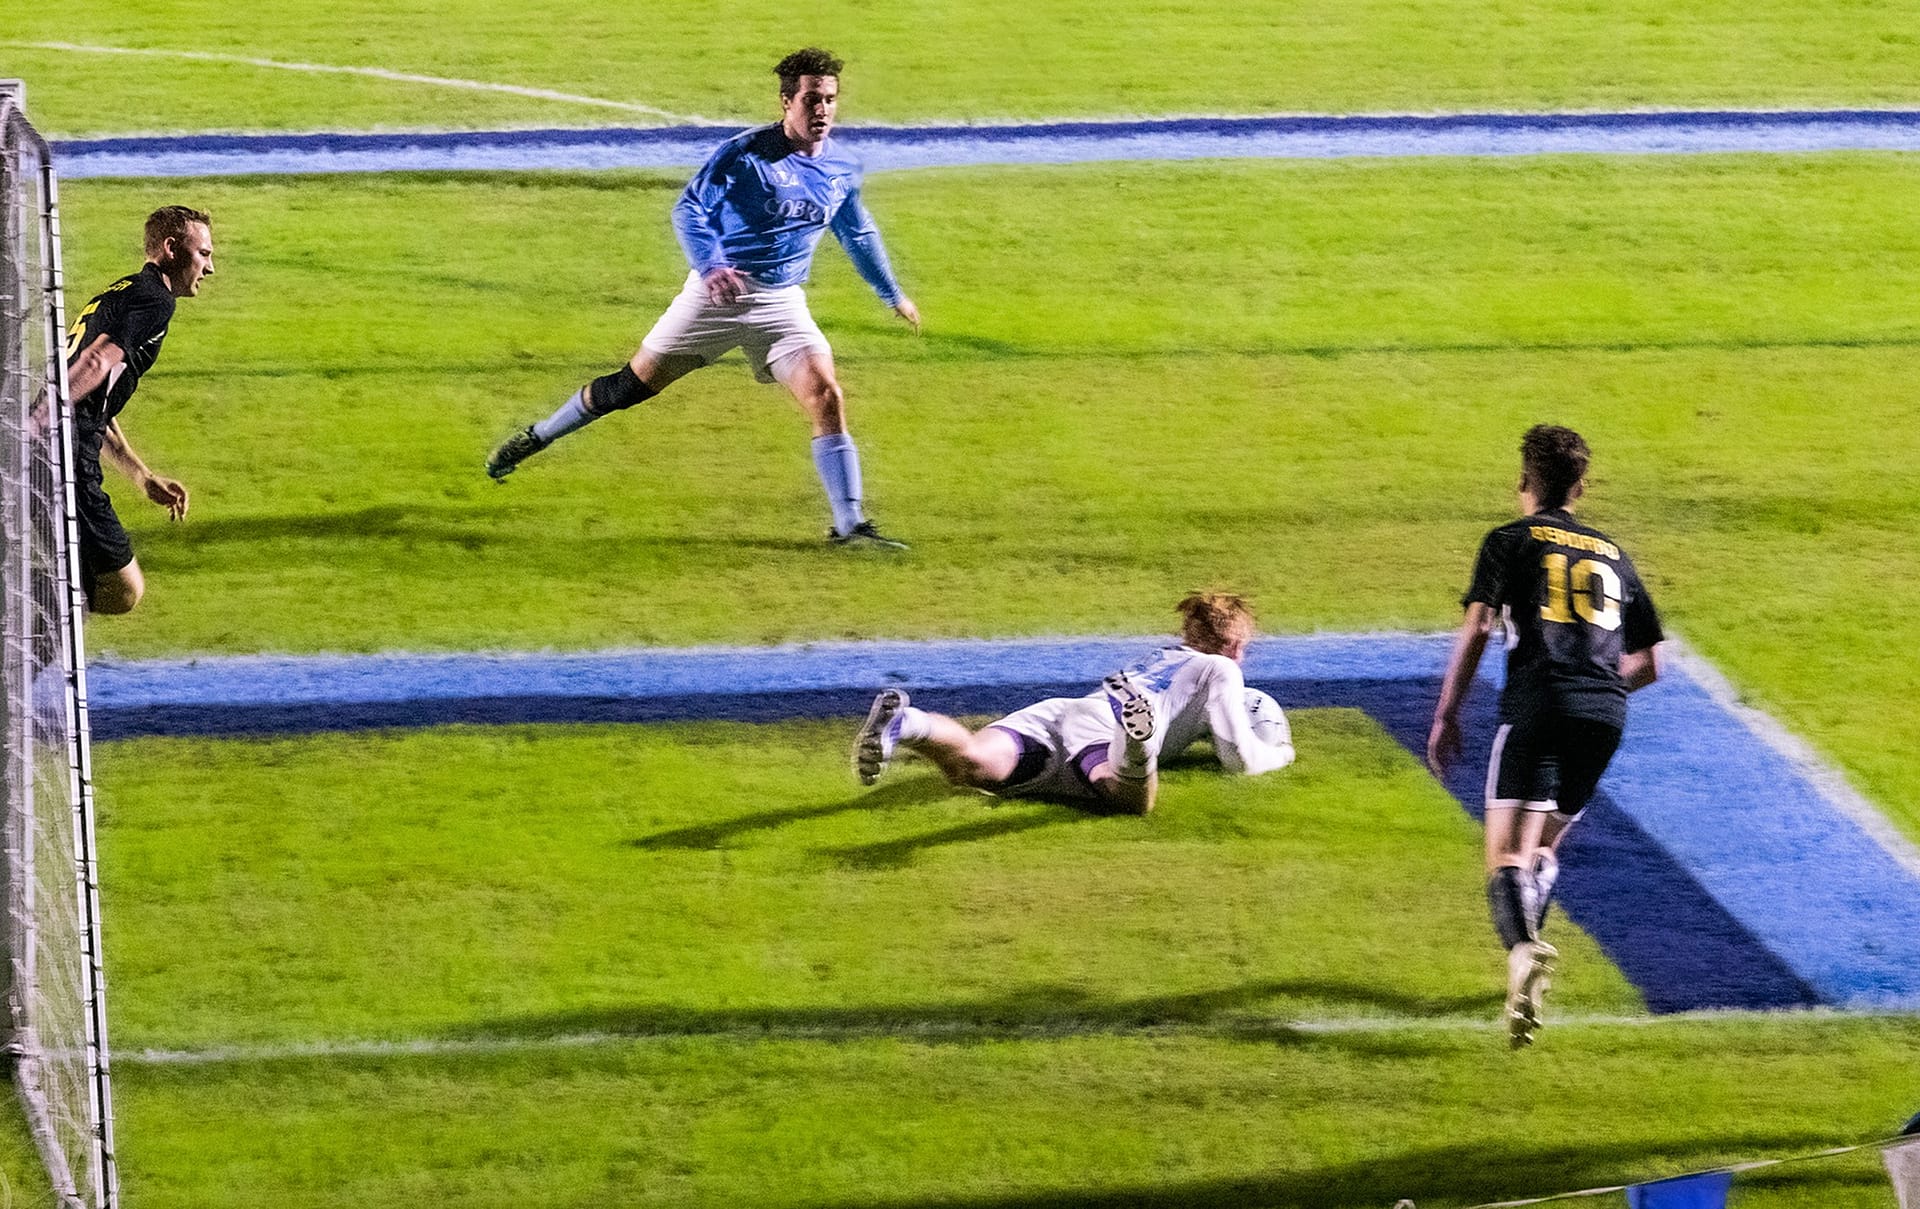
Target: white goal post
56,1021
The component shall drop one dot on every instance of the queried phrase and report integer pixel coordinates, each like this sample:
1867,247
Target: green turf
1305,380
1302,379
890,997
23,1181
1085,1122
545,881
955,61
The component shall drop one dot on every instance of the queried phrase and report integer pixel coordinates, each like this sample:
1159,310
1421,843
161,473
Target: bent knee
829,408
112,602
117,592
1119,797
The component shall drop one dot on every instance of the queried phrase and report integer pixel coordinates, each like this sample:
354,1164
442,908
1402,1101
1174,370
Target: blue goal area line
1718,867
1304,136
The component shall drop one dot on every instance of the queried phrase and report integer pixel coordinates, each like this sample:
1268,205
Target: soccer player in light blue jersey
749,222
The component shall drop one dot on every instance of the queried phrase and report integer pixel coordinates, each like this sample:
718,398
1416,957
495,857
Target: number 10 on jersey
1590,587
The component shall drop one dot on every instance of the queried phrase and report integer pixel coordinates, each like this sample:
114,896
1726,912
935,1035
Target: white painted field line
378,73
1831,783
1448,1024
1240,1026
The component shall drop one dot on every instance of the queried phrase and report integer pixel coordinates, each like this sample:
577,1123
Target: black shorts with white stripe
1550,761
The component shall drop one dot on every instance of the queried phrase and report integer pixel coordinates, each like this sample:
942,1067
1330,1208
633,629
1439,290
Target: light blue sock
838,462
572,417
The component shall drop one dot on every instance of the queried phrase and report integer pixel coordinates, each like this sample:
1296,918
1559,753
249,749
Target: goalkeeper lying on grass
1105,747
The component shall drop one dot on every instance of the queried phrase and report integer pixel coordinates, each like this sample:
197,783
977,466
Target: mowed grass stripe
1328,1121
1556,253
962,64
1743,461
1609,258
541,881
901,1026
940,348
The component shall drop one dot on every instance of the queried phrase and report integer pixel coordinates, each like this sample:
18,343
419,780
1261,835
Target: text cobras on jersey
796,207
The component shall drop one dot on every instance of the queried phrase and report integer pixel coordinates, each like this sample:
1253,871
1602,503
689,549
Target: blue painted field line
722,671
1714,869
1802,875
888,147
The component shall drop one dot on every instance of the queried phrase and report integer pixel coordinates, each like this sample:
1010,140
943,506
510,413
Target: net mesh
54,986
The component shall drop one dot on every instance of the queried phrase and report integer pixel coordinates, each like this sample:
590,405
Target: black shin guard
617,391
1509,909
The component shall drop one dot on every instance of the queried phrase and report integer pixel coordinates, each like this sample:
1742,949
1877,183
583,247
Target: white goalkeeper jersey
1196,695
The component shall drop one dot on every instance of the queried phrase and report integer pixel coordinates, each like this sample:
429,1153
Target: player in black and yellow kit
1581,634
112,341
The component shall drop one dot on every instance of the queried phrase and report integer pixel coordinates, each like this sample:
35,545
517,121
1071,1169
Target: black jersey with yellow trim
134,313
1572,604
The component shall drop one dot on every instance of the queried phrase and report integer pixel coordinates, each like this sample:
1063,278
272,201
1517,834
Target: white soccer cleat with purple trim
873,746
1132,709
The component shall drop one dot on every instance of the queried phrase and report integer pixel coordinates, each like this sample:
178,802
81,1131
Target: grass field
823,997
955,61
1087,1122
692,872
692,964
1734,334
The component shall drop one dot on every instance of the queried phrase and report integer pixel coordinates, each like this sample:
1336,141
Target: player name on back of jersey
1574,541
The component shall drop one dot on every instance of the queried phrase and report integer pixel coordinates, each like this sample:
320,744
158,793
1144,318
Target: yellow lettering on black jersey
1572,540
78,328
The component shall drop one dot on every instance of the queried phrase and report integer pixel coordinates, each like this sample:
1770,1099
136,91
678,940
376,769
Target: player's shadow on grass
1465,1172
326,371
1010,817
468,527
907,791
1244,1012
730,546
897,854
967,347
973,347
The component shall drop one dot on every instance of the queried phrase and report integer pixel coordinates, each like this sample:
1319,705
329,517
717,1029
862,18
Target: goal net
56,1003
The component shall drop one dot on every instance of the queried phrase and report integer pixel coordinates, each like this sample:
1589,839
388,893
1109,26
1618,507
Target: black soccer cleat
513,451
864,535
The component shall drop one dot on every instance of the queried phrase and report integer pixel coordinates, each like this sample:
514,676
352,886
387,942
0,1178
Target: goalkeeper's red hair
1218,623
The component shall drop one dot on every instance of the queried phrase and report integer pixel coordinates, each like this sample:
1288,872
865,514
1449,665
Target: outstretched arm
86,373
1443,740
854,227
166,492
1240,749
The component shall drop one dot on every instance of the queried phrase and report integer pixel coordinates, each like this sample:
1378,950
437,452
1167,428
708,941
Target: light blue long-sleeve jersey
759,206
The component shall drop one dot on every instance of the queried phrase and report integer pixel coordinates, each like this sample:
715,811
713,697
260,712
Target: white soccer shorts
1065,726
768,324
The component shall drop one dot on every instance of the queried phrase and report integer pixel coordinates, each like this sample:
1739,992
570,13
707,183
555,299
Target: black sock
1509,911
